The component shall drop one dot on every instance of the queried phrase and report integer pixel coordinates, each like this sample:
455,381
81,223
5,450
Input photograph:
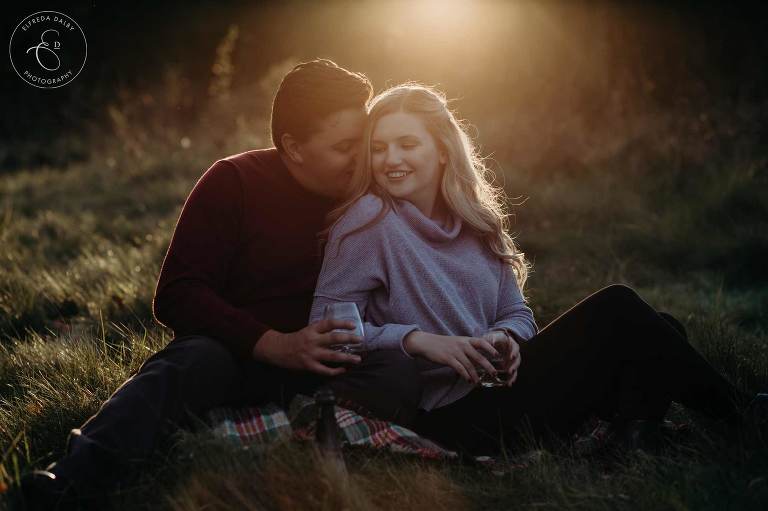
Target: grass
82,246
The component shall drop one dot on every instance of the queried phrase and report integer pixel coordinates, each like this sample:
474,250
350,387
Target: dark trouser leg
610,353
386,383
187,376
193,374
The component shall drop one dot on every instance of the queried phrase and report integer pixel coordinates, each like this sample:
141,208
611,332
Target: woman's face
406,160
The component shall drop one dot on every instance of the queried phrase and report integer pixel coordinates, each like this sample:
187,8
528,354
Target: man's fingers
338,338
326,325
512,379
326,355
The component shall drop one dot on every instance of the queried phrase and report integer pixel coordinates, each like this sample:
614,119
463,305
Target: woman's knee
616,294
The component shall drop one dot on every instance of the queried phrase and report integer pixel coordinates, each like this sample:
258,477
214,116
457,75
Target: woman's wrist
411,342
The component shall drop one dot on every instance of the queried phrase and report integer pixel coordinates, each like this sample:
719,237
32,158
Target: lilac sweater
408,273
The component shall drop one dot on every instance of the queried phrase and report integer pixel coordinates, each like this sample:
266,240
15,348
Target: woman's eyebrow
401,137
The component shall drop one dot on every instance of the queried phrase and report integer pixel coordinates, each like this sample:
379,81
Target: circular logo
48,49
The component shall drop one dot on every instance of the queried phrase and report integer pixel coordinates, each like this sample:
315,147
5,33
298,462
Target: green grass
82,247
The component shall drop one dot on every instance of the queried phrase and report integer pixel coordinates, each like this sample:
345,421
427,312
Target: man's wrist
261,350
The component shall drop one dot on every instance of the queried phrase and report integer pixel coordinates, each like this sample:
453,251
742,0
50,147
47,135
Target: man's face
330,152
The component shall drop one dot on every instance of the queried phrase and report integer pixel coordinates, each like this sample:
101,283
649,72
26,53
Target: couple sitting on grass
384,203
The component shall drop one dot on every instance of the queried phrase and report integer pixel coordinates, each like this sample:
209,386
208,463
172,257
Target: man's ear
292,148
443,157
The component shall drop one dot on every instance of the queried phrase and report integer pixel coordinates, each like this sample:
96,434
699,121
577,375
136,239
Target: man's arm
188,297
196,265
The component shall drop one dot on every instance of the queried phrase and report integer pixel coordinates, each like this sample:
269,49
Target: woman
421,247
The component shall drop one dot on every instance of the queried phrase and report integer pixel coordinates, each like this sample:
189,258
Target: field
671,202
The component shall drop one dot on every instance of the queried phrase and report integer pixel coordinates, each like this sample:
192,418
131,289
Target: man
236,287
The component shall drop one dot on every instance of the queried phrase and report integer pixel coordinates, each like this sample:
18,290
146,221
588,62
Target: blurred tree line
525,72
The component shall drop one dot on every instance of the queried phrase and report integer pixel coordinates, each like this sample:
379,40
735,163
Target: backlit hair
310,92
466,187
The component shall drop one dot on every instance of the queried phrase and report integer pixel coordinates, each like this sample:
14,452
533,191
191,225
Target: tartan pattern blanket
267,423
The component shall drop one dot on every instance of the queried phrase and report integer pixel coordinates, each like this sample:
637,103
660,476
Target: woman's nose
392,157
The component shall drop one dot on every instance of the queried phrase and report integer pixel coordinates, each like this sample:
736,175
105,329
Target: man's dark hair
311,91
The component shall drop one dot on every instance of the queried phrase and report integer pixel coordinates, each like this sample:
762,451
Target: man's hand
309,348
460,353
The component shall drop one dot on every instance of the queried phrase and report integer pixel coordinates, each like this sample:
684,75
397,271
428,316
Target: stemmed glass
346,311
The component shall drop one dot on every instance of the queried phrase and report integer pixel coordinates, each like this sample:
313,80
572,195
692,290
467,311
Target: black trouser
611,355
192,374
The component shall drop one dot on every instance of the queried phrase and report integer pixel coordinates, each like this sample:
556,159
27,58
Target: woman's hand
460,353
512,363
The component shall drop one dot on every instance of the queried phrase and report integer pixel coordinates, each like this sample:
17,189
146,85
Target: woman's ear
292,148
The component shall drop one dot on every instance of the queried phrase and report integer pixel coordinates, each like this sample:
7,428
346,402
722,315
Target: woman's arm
354,266
388,336
513,316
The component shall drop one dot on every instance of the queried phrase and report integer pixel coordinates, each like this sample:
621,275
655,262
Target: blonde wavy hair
465,187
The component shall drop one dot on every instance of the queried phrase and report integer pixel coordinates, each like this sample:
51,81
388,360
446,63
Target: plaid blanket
267,423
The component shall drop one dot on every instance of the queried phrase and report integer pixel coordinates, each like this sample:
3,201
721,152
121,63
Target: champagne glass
500,362
346,311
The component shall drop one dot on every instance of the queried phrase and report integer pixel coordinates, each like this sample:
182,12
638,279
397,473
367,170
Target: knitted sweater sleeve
512,314
354,266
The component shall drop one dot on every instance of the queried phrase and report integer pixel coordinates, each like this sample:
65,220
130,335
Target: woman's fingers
514,355
514,365
460,369
511,379
485,345
469,366
477,359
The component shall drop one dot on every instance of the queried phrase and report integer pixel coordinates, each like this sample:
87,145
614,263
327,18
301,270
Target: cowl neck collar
425,226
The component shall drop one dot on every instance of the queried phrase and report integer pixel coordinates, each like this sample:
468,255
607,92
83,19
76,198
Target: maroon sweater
244,255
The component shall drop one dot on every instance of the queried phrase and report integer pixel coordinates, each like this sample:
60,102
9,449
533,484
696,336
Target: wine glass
500,363
346,311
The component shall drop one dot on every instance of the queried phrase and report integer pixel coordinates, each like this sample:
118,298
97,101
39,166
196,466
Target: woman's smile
398,175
